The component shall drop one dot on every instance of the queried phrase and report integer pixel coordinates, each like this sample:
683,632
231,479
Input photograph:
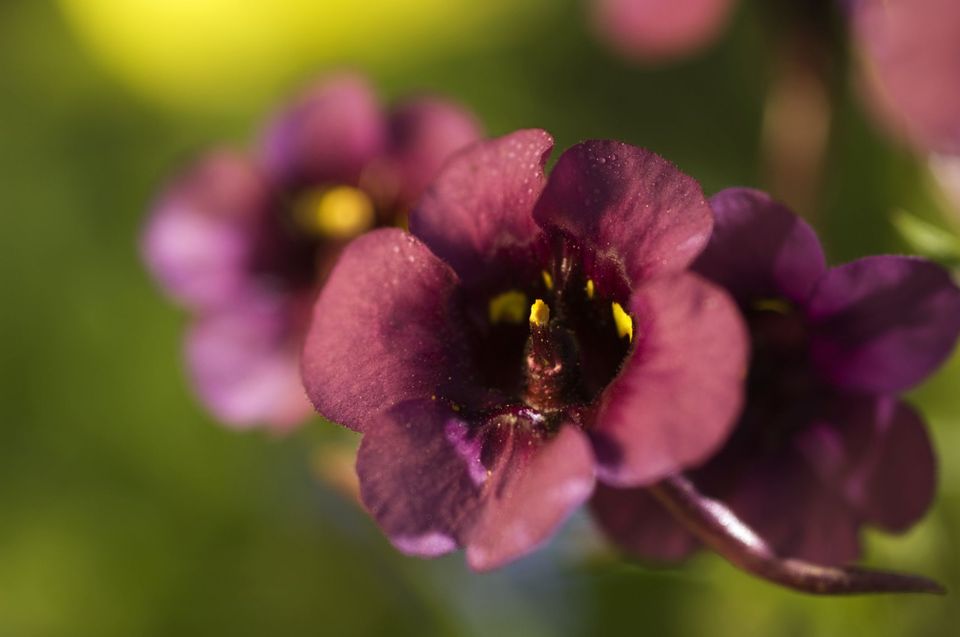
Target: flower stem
719,528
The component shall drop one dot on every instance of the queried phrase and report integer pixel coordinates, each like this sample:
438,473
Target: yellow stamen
772,305
341,212
623,321
539,313
589,288
547,279
508,306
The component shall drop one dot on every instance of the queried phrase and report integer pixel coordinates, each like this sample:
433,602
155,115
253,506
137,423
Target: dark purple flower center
547,342
784,390
305,229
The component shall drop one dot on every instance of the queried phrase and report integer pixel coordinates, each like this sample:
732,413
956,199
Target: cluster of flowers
908,51
690,368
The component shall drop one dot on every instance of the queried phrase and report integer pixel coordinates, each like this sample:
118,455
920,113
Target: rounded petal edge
656,30
245,364
199,236
415,480
760,249
328,133
423,134
478,209
632,207
882,324
681,389
529,495
383,330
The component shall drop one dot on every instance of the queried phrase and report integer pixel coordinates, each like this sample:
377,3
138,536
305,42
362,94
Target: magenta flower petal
759,249
533,487
419,477
384,329
882,324
911,62
880,458
638,524
629,205
479,206
663,414
657,29
328,135
197,241
246,365
424,133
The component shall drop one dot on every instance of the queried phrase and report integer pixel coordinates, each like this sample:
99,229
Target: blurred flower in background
909,52
652,31
245,241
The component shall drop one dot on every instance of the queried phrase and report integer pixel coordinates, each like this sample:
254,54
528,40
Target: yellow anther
589,288
539,313
622,320
508,306
772,305
547,279
341,212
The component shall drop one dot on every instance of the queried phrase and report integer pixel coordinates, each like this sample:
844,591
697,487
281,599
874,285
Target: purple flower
823,446
532,334
653,30
246,241
911,68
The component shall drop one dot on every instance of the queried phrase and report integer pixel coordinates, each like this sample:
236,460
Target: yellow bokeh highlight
509,306
341,212
202,53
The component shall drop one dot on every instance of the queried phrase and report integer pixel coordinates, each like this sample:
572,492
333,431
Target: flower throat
563,348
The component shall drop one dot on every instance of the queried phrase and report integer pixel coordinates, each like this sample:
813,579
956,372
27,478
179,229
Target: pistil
550,361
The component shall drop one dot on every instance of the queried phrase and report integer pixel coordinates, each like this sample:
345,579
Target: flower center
550,362
782,386
556,353
339,213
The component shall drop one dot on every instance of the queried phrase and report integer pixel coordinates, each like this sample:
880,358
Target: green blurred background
124,510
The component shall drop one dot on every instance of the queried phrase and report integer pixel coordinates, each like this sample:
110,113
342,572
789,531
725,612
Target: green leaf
927,239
